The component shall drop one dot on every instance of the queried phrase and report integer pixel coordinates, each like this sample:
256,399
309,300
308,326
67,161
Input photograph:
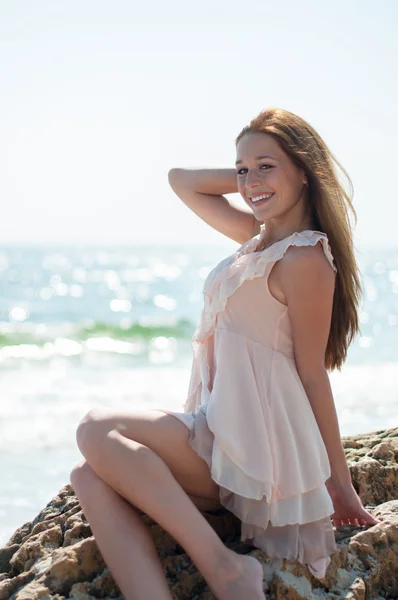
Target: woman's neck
268,238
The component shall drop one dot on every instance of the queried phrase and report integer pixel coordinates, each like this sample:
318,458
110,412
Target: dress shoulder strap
308,237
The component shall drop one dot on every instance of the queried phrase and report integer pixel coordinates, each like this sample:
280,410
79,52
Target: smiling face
274,173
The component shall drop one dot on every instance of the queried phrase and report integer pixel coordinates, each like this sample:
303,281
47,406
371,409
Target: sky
100,99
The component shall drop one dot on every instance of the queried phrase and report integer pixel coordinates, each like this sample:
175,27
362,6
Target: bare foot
243,581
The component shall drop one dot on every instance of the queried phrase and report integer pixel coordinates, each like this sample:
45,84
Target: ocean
91,326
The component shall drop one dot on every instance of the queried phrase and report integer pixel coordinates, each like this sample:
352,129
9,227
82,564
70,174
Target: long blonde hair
330,205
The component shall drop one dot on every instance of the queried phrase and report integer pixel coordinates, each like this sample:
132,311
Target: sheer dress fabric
248,413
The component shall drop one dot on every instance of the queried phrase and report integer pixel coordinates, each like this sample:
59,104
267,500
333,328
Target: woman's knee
82,475
87,431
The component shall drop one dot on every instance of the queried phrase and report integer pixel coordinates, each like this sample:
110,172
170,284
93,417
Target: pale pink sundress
248,413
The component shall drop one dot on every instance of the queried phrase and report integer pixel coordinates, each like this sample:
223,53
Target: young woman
258,434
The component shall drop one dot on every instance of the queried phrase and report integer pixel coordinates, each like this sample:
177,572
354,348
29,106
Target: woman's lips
261,202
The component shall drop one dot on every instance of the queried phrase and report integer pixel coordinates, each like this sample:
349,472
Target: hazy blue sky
100,99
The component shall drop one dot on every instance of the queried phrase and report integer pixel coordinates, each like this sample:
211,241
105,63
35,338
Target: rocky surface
56,556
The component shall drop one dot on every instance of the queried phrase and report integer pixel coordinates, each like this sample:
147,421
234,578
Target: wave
38,340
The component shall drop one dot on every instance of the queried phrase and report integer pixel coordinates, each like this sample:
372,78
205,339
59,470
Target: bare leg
124,540
143,478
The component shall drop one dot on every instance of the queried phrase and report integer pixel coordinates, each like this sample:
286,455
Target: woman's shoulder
308,250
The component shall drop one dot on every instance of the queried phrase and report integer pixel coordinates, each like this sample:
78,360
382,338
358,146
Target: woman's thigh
166,435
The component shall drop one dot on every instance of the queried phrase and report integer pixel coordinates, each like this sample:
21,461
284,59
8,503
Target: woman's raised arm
202,191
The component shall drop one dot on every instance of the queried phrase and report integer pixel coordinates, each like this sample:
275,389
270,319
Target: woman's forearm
320,395
206,181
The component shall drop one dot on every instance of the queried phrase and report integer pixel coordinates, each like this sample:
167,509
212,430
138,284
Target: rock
55,557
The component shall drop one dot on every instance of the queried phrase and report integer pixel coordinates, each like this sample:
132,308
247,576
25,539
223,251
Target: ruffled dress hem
295,528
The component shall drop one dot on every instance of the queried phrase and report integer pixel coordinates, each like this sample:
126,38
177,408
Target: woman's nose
252,178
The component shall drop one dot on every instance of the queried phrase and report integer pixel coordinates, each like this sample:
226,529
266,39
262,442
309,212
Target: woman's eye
240,170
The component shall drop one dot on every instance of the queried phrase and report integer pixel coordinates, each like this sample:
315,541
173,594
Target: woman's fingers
370,518
356,522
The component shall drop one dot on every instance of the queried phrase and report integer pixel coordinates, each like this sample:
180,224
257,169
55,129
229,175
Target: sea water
84,327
